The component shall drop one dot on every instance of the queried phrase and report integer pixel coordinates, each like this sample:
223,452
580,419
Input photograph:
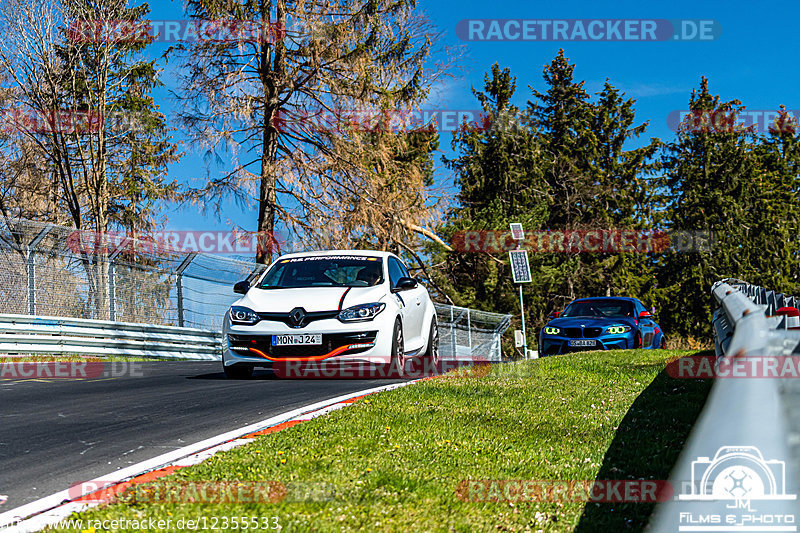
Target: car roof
321,253
627,298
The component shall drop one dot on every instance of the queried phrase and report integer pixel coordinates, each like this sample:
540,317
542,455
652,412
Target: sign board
517,232
519,341
520,268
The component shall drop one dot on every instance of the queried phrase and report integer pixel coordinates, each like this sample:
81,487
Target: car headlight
359,313
243,315
618,329
552,331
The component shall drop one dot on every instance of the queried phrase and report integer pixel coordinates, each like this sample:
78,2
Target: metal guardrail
24,334
56,335
738,470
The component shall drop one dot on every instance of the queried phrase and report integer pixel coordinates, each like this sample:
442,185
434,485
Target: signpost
521,273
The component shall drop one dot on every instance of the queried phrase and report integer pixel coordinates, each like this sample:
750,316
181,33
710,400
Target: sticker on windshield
330,258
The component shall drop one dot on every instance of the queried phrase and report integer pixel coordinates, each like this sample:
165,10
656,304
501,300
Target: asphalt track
56,432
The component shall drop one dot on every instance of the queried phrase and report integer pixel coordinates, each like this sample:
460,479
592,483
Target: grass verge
393,461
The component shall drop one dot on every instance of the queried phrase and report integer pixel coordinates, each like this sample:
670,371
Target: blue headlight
618,330
361,313
552,331
243,316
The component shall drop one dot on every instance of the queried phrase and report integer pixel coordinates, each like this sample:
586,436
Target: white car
353,307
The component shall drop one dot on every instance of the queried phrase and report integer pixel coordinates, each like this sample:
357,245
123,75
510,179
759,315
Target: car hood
589,322
311,299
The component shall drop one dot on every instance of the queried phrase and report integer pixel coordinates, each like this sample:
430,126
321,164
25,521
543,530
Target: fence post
469,332
452,335
179,285
112,279
30,264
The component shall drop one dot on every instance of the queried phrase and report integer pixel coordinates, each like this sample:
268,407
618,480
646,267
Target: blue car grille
582,333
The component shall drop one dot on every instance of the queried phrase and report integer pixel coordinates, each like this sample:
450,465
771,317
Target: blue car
608,323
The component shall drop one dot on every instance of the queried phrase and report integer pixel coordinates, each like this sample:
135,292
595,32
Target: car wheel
238,371
637,340
398,365
432,353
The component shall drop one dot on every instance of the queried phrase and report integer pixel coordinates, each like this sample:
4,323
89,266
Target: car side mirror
645,314
554,314
403,284
242,287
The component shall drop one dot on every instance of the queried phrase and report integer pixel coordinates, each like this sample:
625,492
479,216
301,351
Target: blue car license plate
583,342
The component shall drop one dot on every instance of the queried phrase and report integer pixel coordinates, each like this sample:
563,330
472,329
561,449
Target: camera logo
738,473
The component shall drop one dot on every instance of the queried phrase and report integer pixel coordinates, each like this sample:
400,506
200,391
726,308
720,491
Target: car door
646,326
411,304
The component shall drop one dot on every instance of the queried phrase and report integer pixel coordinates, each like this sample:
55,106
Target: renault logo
296,317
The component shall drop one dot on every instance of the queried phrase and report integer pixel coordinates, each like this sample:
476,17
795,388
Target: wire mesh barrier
44,273
739,468
48,270
469,333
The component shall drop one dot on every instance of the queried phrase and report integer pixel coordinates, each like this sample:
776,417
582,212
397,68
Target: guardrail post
179,285
30,265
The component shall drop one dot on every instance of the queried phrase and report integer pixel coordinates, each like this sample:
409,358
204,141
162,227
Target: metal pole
522,315
179,285
112,291
469,333
31,267
452,335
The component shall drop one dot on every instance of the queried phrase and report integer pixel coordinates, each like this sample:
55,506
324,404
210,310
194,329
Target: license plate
295,340
583,342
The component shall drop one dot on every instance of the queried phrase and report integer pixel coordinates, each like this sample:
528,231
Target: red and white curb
51,509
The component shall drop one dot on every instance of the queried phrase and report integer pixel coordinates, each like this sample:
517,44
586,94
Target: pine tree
711,173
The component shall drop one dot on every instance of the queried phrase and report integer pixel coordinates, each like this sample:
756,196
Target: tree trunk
267,202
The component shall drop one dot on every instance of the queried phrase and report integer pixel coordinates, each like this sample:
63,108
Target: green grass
393,461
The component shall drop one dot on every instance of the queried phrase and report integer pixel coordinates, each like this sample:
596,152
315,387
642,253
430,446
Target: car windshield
324,271
600,308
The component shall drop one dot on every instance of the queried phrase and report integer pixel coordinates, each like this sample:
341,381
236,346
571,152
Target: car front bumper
556,344
359,343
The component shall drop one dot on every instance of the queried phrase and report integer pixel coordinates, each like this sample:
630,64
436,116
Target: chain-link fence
48,270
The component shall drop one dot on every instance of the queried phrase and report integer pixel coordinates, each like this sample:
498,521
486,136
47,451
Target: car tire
397,366
238,371
637,340
432,353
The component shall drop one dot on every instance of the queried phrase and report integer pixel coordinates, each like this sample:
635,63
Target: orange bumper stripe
332,353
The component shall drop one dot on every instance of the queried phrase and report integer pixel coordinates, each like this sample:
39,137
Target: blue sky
751,61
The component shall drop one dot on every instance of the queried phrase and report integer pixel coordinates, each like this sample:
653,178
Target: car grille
307,318
330,342
582,333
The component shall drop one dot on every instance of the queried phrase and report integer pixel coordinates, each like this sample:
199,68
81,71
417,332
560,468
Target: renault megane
343,307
